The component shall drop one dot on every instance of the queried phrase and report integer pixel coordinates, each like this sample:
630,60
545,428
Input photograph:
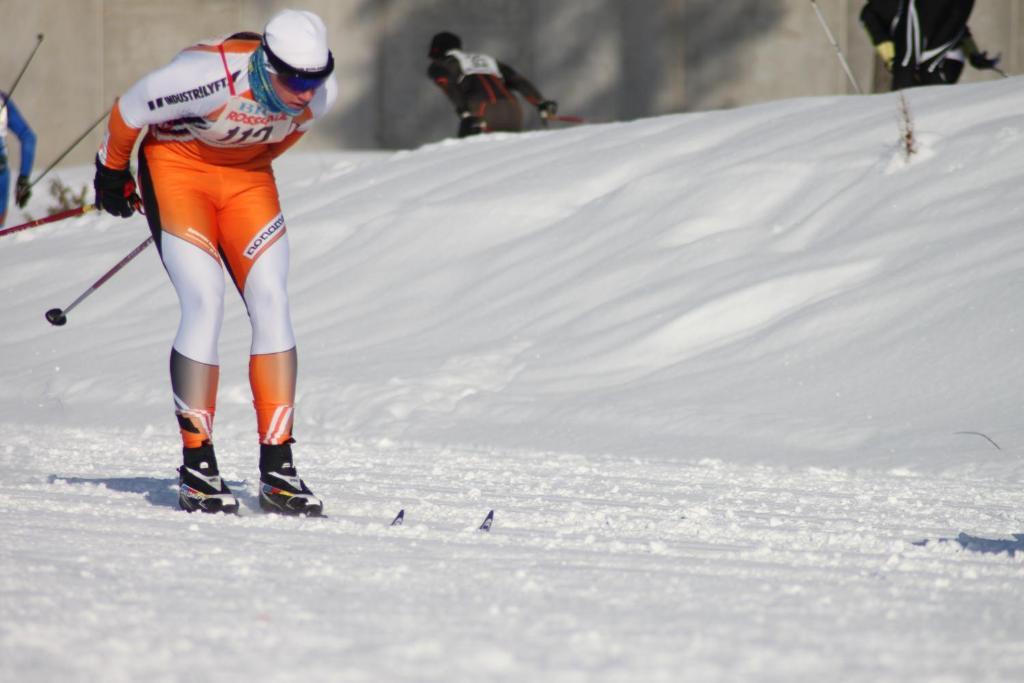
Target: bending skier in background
11,118
218,115
923,42
479,86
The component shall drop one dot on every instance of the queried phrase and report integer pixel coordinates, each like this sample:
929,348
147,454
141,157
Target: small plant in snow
907,141
66,197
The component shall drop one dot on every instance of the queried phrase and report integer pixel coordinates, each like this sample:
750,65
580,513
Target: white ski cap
299,39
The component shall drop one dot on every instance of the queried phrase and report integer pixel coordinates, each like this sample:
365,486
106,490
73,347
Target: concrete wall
602,59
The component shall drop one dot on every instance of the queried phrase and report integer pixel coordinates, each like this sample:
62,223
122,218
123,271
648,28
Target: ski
399,520
488,520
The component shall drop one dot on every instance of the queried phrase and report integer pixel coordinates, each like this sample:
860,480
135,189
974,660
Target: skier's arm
19,126
193,84
875,23
516,81
978,58
278,148
879,30
446,78
118,141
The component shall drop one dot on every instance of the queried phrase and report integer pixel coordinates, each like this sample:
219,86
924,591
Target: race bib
476,64
242,122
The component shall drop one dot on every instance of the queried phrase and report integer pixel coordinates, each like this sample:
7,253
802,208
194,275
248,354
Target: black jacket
923,31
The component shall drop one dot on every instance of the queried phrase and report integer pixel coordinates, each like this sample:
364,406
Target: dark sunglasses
301,84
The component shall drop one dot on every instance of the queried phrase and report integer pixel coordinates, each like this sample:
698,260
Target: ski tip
488,520
399,518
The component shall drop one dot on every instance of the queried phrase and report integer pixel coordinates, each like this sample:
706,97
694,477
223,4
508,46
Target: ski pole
58,317
839,51
10,92
70,213
68,150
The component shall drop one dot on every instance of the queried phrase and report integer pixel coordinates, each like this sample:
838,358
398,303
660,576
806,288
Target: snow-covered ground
715,373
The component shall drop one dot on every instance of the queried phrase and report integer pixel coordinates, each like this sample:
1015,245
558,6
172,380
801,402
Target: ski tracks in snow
596,568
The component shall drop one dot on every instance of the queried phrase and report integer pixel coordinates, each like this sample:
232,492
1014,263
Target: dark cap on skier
442,43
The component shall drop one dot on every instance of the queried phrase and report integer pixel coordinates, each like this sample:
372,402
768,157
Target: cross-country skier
479,87
923,42
11,118
218,114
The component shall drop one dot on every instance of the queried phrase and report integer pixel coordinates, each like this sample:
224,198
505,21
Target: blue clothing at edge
17,124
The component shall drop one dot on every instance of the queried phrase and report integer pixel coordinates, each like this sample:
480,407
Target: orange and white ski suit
212,204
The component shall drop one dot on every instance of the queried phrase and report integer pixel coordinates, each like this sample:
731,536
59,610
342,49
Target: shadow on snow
982,545
159,492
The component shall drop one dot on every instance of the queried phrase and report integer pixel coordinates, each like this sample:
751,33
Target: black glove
3,162
981,60
22,191
471,125
547,108
115,190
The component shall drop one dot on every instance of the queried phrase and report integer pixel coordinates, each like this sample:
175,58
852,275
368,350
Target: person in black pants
923,42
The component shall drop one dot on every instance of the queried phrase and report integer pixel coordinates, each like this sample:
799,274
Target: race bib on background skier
476,64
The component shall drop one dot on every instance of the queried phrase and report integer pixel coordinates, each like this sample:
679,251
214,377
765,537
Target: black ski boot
281,490
199,484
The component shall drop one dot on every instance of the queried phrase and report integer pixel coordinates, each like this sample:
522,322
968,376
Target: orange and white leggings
207,219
